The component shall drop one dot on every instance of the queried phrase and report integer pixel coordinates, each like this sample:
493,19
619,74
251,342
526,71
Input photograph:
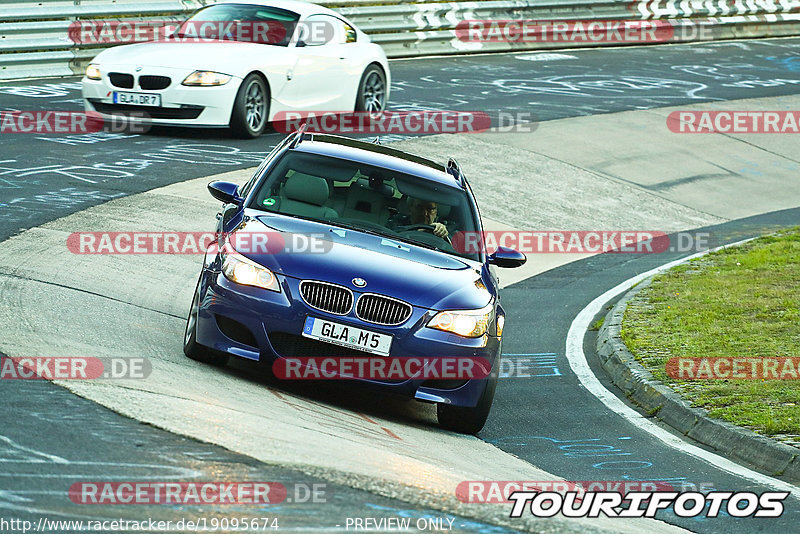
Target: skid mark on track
330,416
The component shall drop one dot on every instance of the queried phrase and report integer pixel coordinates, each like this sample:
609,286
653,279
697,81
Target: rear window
241,22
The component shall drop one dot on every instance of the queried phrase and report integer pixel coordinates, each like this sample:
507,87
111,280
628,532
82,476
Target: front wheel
372,91
251,108
468,420
191,347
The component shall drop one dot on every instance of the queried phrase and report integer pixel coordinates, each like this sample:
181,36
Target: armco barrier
34,40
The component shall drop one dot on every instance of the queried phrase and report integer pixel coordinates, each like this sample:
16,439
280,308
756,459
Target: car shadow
356,397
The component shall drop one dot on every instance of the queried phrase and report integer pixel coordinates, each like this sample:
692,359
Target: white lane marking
579,365
170,470
8,496
53,458
545,57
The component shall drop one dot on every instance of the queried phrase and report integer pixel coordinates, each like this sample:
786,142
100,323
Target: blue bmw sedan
378,274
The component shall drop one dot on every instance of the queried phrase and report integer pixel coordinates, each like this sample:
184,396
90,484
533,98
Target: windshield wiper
354,227
362,229
421,244
393,237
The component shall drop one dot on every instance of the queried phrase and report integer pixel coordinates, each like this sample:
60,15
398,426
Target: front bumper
180,105
263,325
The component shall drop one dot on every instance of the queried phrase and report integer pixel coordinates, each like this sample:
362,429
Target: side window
349,33
319,30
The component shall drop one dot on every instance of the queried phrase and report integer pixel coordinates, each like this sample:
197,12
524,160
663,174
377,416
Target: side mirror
224,192
507,258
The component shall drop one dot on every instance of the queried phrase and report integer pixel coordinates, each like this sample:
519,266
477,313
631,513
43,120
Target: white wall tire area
251,108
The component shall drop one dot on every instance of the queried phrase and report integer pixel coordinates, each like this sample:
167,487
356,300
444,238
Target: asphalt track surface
549,420
64,439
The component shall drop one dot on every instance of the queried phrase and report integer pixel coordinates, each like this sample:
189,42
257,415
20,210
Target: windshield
241,23
371,199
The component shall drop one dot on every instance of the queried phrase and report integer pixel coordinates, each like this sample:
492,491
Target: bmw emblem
359,282
138,69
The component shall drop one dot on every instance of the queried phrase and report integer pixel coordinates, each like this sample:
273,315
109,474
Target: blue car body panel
268,325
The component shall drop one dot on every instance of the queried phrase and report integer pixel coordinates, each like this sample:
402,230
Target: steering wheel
426,227
411,227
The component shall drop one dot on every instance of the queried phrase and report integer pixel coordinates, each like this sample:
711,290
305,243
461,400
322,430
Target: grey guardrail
34,38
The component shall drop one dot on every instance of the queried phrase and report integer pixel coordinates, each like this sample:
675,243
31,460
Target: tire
251,108
191,347
468,420
371,95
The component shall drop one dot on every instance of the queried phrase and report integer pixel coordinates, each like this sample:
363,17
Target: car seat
368,204
305,195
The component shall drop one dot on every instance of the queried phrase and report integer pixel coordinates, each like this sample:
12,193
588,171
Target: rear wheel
191,347
251,108
468,420
372,91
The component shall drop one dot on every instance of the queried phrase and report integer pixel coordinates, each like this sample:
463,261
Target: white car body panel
309,78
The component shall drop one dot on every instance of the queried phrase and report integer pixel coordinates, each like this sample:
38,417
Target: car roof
376,155
303,9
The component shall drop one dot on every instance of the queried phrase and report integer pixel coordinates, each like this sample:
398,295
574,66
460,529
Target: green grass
738,302
598,324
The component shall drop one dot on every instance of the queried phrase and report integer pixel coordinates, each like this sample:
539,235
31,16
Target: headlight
206,78
465,323
93,72
241,270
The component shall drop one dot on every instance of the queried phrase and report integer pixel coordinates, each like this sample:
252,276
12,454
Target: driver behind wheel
422,212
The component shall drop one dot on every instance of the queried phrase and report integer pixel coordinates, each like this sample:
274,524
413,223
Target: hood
223,57
421,277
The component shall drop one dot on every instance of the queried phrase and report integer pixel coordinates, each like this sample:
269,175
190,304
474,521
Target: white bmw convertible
309,59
